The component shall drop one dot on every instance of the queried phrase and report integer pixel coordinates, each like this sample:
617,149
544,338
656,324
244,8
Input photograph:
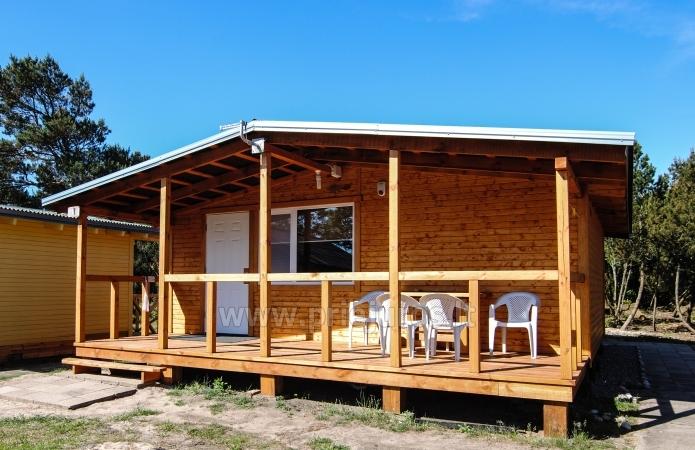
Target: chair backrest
518,305
407,302
374,304
441,308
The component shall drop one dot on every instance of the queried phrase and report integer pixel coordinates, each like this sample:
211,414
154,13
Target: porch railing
115,299
327,279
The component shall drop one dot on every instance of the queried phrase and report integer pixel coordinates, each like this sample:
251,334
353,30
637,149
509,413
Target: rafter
297,159
165,170
202,186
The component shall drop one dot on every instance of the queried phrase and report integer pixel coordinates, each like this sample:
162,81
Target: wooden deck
508,375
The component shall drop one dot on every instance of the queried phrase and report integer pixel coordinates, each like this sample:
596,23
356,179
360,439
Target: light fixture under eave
318,179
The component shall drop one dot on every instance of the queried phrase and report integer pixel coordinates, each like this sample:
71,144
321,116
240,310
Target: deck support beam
211,316
264,217
114,311
164,263
555,419
393,399
394,257
563,266
326,322
271,385
81,277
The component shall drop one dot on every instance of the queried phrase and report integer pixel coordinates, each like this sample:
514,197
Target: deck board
511,367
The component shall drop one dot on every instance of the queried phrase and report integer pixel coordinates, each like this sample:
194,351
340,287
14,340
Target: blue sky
167,73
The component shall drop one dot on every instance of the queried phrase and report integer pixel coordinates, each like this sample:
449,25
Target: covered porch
474,213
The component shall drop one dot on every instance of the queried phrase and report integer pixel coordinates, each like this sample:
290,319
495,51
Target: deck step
148,374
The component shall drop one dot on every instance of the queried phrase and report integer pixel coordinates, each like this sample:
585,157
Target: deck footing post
271,385
172,375
555,419
393,399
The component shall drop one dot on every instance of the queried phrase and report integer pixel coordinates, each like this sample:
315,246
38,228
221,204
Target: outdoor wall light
381,188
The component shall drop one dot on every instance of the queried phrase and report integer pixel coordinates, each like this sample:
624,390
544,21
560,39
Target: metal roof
52,216
232,131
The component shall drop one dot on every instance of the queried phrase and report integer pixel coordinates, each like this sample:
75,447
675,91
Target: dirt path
154,418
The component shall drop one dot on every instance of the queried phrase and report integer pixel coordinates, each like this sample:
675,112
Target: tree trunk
635,307
678,300
654,311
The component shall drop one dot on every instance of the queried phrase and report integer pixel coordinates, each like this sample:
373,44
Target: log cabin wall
449,222
596,274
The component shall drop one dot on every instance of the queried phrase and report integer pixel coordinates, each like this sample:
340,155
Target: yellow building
37,279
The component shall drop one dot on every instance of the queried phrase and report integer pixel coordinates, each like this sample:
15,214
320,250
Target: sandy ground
294,425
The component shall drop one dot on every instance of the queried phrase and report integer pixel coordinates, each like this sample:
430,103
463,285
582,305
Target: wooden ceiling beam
163,171
476,164
563,165
297,159
201,186
491,147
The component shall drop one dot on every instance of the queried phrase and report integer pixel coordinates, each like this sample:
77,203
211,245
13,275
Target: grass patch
217,390
217,434
322,443
50,432
626,405
137,412
369,412
580,439
281,404
5,377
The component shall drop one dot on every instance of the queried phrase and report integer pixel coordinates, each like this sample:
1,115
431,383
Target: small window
316,239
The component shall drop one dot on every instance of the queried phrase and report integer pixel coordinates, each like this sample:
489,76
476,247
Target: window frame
292,211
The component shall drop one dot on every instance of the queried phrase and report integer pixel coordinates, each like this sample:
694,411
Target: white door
227,251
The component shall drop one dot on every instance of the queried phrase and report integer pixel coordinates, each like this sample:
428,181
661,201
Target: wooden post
326,322
144,315
114,311
394,257
264,217
81,278
474,325
271,385
584,266
393,399
555,419
563,266
164,263
211,316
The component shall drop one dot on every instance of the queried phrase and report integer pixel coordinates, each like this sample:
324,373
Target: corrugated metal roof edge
54,217
457,132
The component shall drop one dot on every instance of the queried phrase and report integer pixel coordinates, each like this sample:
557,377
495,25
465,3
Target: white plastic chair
520,305
411,325
441,311
373,315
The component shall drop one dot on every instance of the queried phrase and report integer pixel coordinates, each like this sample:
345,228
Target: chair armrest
534,314
491,312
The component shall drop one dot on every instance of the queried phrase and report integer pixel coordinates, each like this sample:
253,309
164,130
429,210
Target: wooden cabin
37,279
269,229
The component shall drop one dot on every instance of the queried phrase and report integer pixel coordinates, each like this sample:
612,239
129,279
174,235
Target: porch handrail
439,275
327,278
114,303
